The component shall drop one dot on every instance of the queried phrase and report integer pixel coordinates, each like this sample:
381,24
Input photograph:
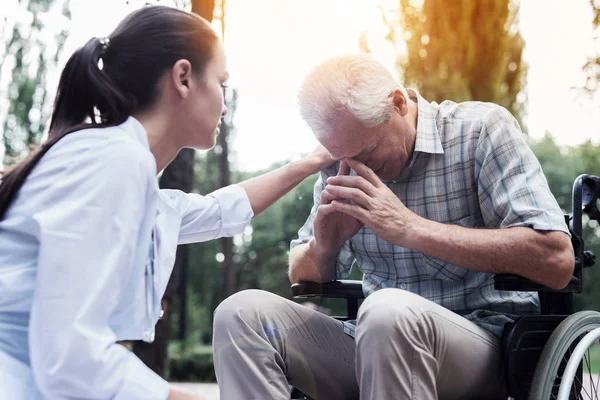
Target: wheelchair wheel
581,379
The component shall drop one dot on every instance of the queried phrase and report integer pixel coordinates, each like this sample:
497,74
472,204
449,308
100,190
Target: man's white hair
354,83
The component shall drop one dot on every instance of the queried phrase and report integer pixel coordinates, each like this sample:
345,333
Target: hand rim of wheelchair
562,341
574,361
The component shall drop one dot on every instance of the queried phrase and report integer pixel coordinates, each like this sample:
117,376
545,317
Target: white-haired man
430,200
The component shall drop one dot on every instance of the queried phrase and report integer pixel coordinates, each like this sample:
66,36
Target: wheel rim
586,381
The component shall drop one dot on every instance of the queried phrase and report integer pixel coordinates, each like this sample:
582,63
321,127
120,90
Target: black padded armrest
518,283
342,289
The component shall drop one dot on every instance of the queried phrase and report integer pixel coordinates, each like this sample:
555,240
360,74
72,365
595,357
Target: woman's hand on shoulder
321,157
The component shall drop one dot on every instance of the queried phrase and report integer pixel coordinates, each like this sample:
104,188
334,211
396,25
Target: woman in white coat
87,239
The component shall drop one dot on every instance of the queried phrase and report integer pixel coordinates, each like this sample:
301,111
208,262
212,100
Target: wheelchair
545,356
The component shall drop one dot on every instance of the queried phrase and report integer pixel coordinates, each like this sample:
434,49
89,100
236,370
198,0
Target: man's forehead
342,144
346,137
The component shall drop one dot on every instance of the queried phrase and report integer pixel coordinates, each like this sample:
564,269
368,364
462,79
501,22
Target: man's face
385,148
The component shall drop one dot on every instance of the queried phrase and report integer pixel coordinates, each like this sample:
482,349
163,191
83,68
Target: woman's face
205,106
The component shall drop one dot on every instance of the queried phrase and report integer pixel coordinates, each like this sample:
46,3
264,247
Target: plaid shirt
470,167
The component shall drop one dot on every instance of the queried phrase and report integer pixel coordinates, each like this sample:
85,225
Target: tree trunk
226,243
178,175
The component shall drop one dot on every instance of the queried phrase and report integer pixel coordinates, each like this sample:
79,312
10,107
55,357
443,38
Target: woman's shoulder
117,147
109,160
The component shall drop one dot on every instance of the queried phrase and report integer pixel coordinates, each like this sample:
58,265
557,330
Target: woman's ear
181,75
400,101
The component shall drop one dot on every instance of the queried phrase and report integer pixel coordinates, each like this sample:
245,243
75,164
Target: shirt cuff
141,383
236,211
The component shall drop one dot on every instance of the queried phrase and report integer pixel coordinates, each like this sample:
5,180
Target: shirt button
403,286
148,336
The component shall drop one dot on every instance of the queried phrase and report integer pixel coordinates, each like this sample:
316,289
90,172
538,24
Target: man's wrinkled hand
332,228
365,198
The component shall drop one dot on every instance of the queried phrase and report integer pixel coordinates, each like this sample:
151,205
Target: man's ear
181,76
400,101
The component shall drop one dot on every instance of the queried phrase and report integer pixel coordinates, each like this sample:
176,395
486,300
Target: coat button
161,314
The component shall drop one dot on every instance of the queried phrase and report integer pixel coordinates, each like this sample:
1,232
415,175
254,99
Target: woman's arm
266,189
228,210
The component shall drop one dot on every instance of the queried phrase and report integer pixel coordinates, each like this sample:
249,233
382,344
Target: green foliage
592,66
31,50
195,365
461,50
260,255
264,259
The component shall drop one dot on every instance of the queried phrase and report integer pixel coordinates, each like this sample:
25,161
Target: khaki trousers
406,347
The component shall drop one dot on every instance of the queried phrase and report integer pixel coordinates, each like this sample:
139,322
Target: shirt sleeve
88,237
345,257
224,212
512,188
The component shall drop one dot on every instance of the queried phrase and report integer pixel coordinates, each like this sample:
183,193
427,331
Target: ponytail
83,91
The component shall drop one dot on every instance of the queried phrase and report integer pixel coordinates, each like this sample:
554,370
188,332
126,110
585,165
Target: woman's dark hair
134,57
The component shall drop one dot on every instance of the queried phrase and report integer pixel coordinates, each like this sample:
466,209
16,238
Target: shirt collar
428,138
136,129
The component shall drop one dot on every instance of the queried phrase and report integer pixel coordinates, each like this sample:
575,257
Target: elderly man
430,200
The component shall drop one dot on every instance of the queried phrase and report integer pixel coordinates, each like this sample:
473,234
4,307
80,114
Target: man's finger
341,193
364,171
350,209
326,209
327,197
344,168
357,182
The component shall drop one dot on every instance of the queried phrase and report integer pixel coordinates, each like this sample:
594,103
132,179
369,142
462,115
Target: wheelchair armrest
520,284
342,289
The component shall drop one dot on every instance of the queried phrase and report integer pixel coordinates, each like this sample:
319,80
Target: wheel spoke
588,362
577,383
597,385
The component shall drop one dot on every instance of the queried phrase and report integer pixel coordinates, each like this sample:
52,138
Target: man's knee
242,306
392,312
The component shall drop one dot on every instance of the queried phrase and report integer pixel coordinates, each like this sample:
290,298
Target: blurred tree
259,254
212,266
264,257
178,175
460,50
592,66
31,50
228,283
217,164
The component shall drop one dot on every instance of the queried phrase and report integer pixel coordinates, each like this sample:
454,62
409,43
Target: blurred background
540,60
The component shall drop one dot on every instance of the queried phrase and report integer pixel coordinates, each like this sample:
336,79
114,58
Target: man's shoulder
474,118
473,111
